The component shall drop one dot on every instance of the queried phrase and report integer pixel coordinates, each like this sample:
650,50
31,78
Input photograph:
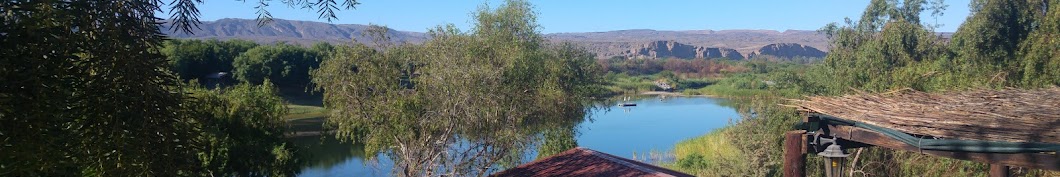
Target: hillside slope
704,43
291,31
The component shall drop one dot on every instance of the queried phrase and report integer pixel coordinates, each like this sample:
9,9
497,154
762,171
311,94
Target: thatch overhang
1007,115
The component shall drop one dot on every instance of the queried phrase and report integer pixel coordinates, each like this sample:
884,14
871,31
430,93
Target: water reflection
327,156
656,123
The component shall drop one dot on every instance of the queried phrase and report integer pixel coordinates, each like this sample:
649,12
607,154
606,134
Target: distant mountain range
745,42
291,31
640,43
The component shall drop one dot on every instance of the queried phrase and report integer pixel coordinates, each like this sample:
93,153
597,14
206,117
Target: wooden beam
999,170
1030,160
795,154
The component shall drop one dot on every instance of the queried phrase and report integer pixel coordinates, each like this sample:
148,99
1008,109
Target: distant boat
627,103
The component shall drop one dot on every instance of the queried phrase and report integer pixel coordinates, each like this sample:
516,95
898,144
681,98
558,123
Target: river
655,124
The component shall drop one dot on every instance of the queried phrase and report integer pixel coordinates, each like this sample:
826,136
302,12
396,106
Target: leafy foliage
1005,43
463,100
989,40
242,131
86,92
1041,50
195,59
185,13
985,52
286,65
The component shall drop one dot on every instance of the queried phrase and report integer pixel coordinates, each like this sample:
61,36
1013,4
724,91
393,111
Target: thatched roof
993,115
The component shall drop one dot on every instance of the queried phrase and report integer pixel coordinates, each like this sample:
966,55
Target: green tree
243,129
888,52
86,91
487,93
875,15
876,56
286,65
323,48
1041,59
988,40
195,59
88,96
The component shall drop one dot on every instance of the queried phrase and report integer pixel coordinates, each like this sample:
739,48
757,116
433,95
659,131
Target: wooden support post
997,170
794,154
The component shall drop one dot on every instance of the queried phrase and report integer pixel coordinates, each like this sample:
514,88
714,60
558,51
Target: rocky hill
788,50
671,49
291,31
734,44
617,43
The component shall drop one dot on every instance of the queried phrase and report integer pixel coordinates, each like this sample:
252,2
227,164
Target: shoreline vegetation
878,53
89,98
863,58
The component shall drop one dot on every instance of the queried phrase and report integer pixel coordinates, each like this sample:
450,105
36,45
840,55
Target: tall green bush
491,92
196,59
243,131
86,90
285,65
1004,43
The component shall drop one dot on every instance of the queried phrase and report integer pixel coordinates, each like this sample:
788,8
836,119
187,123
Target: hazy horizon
716,30
594,16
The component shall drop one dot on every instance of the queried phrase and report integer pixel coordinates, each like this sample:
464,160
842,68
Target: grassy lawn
302,106
295,112
302,118
305,113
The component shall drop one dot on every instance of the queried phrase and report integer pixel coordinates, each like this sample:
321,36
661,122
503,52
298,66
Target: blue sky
593,15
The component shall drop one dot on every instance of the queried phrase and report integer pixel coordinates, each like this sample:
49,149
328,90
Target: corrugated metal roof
586,162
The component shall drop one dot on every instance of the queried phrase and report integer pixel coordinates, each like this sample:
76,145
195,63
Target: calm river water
656,123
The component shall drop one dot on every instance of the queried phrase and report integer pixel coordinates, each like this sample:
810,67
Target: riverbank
758,134
305,115
313,126
744,147
661,93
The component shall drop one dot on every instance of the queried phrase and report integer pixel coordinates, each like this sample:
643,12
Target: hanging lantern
834,159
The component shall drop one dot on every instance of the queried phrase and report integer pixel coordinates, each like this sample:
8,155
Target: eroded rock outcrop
671,49
787,50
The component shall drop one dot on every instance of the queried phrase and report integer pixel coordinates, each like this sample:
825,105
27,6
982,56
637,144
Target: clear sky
594,15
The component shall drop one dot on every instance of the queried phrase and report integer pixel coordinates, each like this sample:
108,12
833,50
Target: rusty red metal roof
587,162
